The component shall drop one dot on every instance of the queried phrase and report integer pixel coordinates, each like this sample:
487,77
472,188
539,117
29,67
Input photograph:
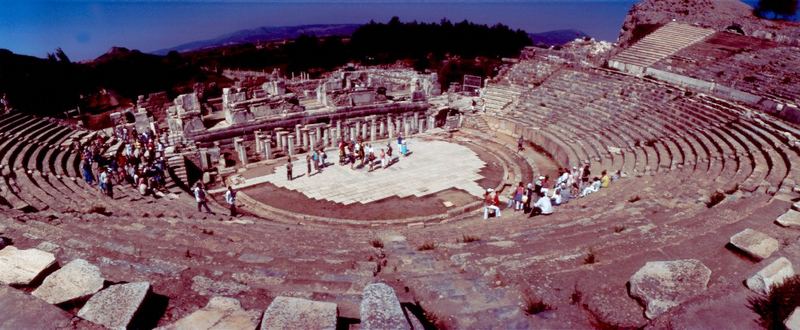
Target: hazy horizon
87,29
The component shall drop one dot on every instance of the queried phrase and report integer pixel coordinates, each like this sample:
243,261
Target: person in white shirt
592,188
230,198
542,206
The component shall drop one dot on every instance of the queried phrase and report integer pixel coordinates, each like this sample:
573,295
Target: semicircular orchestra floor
441,174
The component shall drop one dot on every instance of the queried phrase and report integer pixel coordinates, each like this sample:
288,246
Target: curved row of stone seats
169,239
497,97
549,255
716,129
754,65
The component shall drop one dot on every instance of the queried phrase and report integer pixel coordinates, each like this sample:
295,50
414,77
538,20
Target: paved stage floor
431,167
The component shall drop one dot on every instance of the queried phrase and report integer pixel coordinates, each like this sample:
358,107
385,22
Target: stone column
382,129
357,132
204,164
297,136
431,122
417,126
241,150
352,132
338,134
319,132
365,130
390,125
290,146
406,127
421,125
259,136
267,148
373,131
304,134
312,140
326,136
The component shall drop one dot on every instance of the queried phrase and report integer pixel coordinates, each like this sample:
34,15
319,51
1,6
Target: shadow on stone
416,311
152,310
345,323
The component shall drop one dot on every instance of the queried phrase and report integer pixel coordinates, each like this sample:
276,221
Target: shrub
576,296
590,258
426,246
469,238
776,306
376,243
619,228
715,198
534,305
634,199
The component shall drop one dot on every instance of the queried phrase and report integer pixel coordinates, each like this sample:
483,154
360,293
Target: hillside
264,34
555,37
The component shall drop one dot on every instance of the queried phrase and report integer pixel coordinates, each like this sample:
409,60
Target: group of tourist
356,153
140,164
540,196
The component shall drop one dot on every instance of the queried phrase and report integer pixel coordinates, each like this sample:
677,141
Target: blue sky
86,29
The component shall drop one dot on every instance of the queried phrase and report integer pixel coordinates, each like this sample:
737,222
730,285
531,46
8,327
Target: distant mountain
555,37
265,33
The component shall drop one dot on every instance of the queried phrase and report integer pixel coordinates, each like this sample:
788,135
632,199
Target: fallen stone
793,321
297,313
755,243
47,246
255,258
220,313
115,306
380,309
205,286
661,285
789,219
21,267
77,279
19,310
774,274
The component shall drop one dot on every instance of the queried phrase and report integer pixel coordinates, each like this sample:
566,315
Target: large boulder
789,219
115,306
380,309
21,267
220,313
297,313
661,285
773,274
77,279
755,243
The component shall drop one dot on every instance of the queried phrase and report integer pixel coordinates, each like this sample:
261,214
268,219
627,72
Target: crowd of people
355,153
542,195
140,164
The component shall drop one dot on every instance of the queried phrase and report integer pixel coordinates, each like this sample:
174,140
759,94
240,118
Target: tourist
542,206
383,158
308,165
537,185
101,181
289,169
200,197
518,194
315,160
592,188
230,198
617,175
605,180
556,198
585,174
490,202
566,193
520,143
526,205
563,178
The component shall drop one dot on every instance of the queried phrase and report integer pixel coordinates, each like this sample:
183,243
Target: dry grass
426,246
534,305
775,307
376,243
590,258
468,239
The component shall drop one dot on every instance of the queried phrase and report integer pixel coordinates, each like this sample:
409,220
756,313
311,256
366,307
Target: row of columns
371,128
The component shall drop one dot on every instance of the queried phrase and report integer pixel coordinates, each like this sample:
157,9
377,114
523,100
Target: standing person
200,197
230,198
289,169
308,165
520,142
383,158
315,159
490,202
518,196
